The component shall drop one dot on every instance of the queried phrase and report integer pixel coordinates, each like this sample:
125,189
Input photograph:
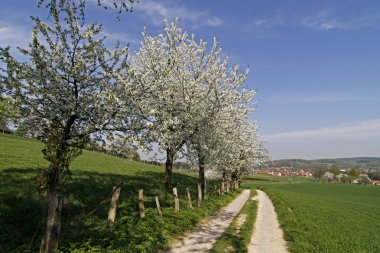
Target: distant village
284,172
350,175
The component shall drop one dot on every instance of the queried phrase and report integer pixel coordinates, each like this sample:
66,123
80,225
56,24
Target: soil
267,236
207,232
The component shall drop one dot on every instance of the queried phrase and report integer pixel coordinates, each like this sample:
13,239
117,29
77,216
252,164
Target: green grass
323,217
18,152
233,240
94,175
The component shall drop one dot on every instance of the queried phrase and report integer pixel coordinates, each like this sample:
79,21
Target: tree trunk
56,147
234,176
224,175
168,170
201,178
49,242
59,155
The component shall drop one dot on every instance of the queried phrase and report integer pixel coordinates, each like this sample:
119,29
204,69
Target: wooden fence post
158,206
199,195
176,200
112,210
189,198
141,203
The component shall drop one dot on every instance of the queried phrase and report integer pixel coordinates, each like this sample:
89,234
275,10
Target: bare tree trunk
168,170
235,176
205,196
201,177
224,175
59,155
49,242
56,149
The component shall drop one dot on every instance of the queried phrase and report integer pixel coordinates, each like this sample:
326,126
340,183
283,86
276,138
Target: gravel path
205,235
267,236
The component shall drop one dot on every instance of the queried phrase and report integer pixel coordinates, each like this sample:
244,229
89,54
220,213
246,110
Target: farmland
94,175
323,217
315,217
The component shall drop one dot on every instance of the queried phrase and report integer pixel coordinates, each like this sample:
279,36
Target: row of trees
118,148
173,91
194,103
334,174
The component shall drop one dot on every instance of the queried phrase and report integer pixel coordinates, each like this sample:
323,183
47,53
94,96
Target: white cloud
259,27
324,21
14,35
119,36
213,22
352,131
317,98
266,23
157,11
332,149
109,4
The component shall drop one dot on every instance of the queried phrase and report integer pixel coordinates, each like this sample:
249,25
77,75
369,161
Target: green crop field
94,175
267,179
324,217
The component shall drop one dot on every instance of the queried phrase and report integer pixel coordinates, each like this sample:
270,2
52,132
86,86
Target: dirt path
205,235
267,236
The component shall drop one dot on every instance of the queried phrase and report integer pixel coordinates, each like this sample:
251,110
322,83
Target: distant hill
340,163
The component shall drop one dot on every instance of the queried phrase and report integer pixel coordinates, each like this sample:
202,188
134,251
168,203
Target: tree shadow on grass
20,208
22,211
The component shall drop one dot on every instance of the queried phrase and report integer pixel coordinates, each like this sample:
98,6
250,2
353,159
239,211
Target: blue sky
315,64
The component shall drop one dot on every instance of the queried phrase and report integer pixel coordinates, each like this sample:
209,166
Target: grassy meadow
315,216
94,175
324,217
